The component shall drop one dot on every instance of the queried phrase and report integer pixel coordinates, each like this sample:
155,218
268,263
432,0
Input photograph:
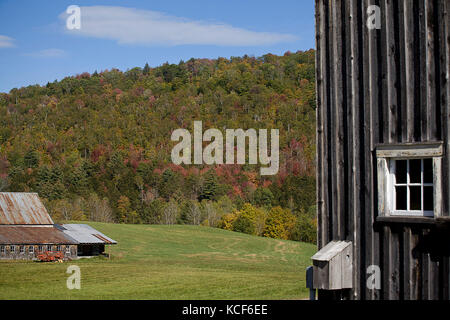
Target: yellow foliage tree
279,223
227,221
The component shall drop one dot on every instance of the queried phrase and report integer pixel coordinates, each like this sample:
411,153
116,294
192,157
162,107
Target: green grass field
170,262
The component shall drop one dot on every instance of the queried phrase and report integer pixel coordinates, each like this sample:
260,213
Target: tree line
97,146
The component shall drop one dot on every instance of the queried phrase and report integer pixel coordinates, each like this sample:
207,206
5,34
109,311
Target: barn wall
27,255
385,86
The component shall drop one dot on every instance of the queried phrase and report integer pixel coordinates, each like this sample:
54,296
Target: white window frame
2,249
58,248
12,248
408,184
30,249
67,249
21,249
41,248
386,156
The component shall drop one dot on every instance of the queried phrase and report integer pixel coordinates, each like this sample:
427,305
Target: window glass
413,186
428,201
415,198
401,198
428,171
415,171
400,171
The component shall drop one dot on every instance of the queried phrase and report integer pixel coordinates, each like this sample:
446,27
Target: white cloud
47,53
6,42
143,27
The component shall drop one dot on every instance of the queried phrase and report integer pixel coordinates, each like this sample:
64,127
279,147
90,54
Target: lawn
170,262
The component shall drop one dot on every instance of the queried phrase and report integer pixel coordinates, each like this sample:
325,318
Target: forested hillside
97,146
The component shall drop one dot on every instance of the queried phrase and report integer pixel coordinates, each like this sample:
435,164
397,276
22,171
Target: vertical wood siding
378,87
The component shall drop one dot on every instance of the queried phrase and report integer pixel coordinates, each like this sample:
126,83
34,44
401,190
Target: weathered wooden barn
90,242
27,230
383,149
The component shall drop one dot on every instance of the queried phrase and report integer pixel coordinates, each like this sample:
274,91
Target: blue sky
36,46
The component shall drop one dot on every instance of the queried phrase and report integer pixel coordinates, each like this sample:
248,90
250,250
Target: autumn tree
210,213
250,220
100,210
194,213
227,221
279,223
170,213
123,208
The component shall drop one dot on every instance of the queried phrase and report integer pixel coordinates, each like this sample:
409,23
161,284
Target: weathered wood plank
320,126
339,125
394,260
356,106
437,190
334,120
347,120
428,70
434,282
407,258
424,272
414,266
408,93
399,21
391,70
410,150
365,132
386,265
331,181
375,132
324,116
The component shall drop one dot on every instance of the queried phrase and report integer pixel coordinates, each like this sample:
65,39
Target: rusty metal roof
33,235
103,238
22,208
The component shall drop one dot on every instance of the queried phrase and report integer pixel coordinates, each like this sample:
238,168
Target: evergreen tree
210,187
31,159
146,70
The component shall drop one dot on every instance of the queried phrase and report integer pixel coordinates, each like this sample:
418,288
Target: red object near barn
50,256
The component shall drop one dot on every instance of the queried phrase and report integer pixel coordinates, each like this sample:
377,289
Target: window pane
400,171
428,201
415,196
415,171
401,198
428,171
